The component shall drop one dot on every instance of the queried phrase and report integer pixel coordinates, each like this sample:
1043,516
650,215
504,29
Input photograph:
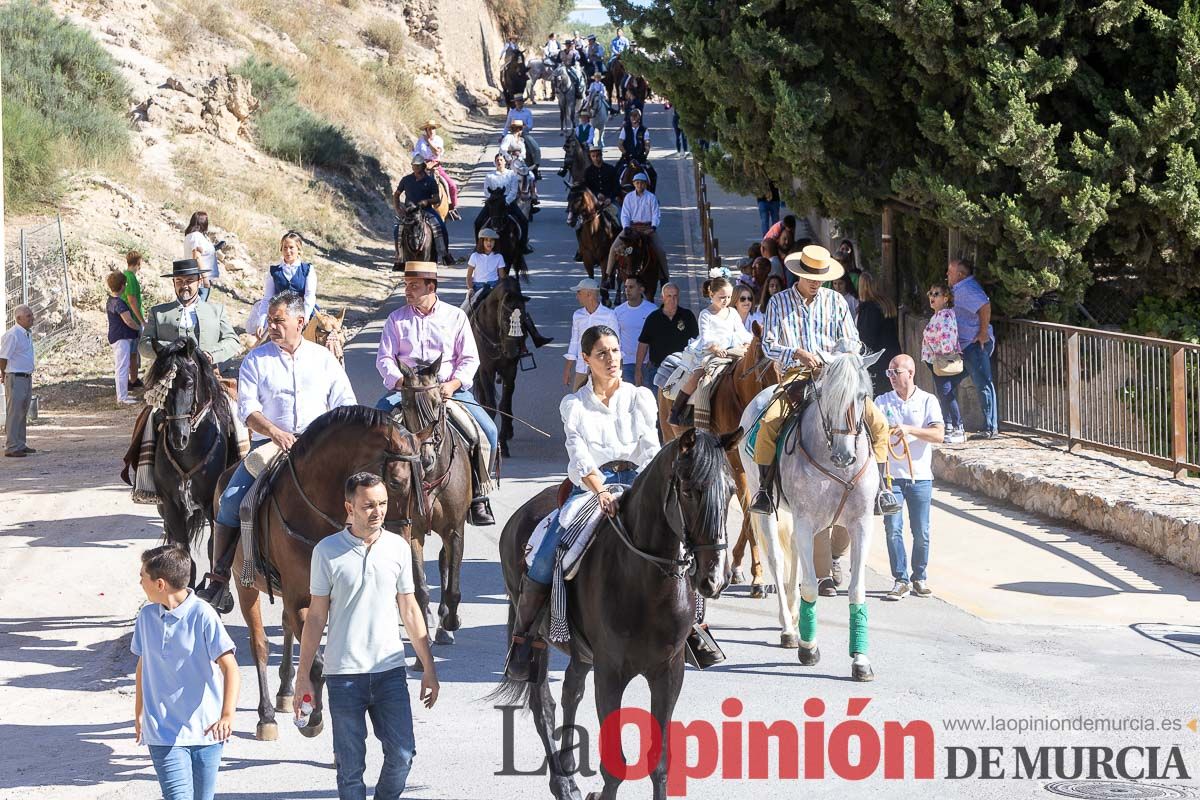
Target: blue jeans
187,772
978,365
542,569
384,697
235,490
946,389
628,372
768,214
680,141
390,401
917,495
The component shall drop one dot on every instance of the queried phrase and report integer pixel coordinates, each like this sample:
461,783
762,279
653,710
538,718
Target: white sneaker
955,436
898,591
921,589
129,401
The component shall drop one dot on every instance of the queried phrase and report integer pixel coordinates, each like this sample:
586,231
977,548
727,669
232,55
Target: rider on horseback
283,385
420,190
804,324
504,178
424,331
634,141
486,268
431,147
595,55
513,146
611,435
187,316
640,216
570,58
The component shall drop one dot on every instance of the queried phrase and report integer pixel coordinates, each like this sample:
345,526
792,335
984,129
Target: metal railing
712,250
1128,395
38,278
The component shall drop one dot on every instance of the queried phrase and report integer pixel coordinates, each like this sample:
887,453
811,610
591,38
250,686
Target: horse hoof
283,702
266,732
444,636
312,731
758,591
862,672
789,641
736,577
809,656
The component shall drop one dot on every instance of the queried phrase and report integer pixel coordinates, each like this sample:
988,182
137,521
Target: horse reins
853,428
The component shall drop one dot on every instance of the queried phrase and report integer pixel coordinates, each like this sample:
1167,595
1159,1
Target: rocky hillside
270,116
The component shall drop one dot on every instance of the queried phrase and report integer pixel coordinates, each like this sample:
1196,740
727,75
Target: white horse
538,70
828,476
568,98
596,103
525,187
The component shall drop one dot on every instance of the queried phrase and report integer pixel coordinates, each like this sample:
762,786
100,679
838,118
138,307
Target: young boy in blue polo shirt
187,678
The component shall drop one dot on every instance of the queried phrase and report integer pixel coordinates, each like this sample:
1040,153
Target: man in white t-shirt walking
362,584
631,318
589,313
915,415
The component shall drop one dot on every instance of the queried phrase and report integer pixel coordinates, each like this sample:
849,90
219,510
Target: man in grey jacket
189,317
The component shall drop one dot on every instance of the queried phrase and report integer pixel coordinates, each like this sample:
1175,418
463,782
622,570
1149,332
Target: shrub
271,83
387,35
67,101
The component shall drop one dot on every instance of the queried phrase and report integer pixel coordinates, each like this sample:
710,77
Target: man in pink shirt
420,333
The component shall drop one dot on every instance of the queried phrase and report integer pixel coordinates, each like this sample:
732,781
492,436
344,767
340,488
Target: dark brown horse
497,217
446,483
305,503
635,260
576,157
596,229
496,323
513,78
633,601
752,373
415,237
194,443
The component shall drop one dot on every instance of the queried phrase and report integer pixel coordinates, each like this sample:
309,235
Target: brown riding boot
215,590
701,649
525,641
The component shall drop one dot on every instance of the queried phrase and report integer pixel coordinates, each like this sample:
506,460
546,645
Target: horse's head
496,205
326,330
421,396
580,201
183,377
697,504
842,388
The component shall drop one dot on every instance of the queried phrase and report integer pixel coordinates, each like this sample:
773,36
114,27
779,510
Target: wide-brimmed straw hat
429,123
421,269
184,268
814,263
517,123
487,233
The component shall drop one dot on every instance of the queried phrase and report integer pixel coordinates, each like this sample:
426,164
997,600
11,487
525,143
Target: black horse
496,216
632,603
514,76
416,237
499,334
195,442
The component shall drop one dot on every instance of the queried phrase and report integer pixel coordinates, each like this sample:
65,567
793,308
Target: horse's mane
357,416
707,460
843,381
209,389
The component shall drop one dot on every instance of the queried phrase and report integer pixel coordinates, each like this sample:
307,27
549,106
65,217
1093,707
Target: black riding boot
886,501
215,590
525,642
678,408
763,504
701,649
530,327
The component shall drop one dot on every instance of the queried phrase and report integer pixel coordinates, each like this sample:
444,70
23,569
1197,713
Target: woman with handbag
939,349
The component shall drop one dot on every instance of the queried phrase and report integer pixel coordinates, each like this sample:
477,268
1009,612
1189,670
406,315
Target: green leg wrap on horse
808,620
858,628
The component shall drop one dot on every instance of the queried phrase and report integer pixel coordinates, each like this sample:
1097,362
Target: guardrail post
1179,412
1074,397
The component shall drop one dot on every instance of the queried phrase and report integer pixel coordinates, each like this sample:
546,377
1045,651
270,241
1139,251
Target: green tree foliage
65,102
1060,136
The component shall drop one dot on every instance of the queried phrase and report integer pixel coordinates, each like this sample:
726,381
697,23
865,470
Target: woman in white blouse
722,335
611,436
197,245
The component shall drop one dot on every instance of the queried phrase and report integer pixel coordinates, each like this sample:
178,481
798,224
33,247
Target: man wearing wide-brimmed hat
187,316
428,330
420,189
804,325
431,147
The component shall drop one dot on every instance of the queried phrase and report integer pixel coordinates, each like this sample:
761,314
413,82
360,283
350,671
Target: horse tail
511,693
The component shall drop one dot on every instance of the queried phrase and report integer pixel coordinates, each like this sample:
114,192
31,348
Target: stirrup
700,649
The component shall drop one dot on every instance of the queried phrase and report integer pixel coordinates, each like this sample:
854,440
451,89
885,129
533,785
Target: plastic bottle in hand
306,709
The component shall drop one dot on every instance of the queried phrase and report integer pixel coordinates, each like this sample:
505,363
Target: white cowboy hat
429,124
587,285
814,263
421,269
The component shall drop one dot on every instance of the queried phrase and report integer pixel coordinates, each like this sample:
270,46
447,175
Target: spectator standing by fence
133,298
123,332
939,349
768,207
16,371
198,246
914,422
877,326
973,313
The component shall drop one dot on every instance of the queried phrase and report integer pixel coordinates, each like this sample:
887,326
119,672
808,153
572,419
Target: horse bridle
854,422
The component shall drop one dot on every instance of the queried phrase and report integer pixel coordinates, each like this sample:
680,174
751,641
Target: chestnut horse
596,228
752,373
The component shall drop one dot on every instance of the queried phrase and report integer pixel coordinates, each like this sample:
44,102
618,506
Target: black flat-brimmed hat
184,268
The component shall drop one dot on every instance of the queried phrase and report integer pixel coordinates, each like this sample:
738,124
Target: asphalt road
933,661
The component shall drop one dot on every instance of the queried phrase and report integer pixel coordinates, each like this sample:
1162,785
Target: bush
68,102
387,35
1176,318
288,130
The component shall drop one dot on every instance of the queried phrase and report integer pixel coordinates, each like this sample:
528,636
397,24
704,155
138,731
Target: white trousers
120,350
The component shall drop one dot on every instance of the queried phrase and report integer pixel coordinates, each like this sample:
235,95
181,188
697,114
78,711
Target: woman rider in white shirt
610,436
721,330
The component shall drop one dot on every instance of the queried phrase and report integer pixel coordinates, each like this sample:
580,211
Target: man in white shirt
361,583
915,416
283,385
640,216
631,318
590,313
16,372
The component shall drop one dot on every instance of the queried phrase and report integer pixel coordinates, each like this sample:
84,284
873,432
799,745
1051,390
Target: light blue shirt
969,297
182,688
641,208
619,45
524,114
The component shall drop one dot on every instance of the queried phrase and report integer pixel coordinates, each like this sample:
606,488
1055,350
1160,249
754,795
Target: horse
632,603
614,77
446,483
416,238
195,427
525,183
538,71
568,99
496,323
326,330
636,260
303,504
596,229
576,157
751,373
509,232
828,478
633,167
514,76
597,105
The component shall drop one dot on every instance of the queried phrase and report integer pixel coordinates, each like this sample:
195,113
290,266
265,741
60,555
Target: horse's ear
755,328
436,366
406,371
729,440
688,440
870,359
342,316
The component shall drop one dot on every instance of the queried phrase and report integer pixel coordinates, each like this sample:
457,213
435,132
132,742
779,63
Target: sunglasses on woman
745,299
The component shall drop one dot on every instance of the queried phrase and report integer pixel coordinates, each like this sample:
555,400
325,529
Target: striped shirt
816,326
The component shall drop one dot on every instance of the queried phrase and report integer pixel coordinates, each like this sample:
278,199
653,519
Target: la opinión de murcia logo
852,749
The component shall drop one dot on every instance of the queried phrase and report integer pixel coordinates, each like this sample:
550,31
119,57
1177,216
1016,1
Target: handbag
946,365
